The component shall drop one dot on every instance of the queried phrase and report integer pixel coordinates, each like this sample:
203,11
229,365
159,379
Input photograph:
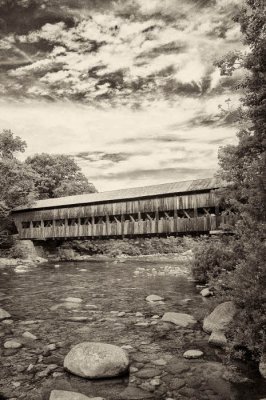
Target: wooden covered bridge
172,208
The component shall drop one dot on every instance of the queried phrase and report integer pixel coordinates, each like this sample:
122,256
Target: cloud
99,156
127,87
162,175
117,58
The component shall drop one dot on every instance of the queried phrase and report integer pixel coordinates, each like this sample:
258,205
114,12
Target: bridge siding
132,209
200,224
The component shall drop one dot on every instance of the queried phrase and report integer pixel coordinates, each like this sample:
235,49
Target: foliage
243,165
58,175
41,176
16,178
10,144
131,247
241,277
214,256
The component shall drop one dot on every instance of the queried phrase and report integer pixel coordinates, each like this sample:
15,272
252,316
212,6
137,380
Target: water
36,299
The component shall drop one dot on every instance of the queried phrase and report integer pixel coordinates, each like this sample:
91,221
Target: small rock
12,344
46,372
155,317
217,338
147,386
4,314
121,314
148,373
73,300
180,319
133,369
153,298
30,367
160,362
155,382
177,383
127,347
206,292
193,354
142,324
7,321
57,374
96,360
51,346
30,322
29,335
139,314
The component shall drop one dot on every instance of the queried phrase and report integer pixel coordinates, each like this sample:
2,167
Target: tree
242,276
243,166
10,144
16,179
58,175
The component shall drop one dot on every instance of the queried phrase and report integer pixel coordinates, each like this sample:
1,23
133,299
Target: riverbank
118,250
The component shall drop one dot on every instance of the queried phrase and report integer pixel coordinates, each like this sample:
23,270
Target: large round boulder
220,318
96,360
64,395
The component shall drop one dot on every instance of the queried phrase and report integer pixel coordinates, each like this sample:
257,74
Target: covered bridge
171,208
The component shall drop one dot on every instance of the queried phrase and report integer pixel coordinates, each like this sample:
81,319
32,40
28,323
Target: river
109,306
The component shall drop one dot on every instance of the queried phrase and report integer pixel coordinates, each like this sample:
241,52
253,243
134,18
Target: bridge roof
127,194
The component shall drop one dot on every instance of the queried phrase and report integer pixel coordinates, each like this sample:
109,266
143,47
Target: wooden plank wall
108,219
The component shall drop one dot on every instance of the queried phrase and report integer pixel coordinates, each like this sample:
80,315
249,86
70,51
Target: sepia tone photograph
132,199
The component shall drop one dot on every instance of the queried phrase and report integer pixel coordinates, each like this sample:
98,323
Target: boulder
220,318
4,314
193,354
96,360
218,338
64,395
153,298
262,365
180,319
66,254
24,249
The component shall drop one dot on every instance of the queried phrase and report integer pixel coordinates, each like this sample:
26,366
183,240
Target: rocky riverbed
55,306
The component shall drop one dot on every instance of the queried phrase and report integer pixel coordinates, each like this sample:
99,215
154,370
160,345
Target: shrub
212,256
235,269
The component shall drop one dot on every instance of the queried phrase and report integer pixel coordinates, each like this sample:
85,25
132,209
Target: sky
127,87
